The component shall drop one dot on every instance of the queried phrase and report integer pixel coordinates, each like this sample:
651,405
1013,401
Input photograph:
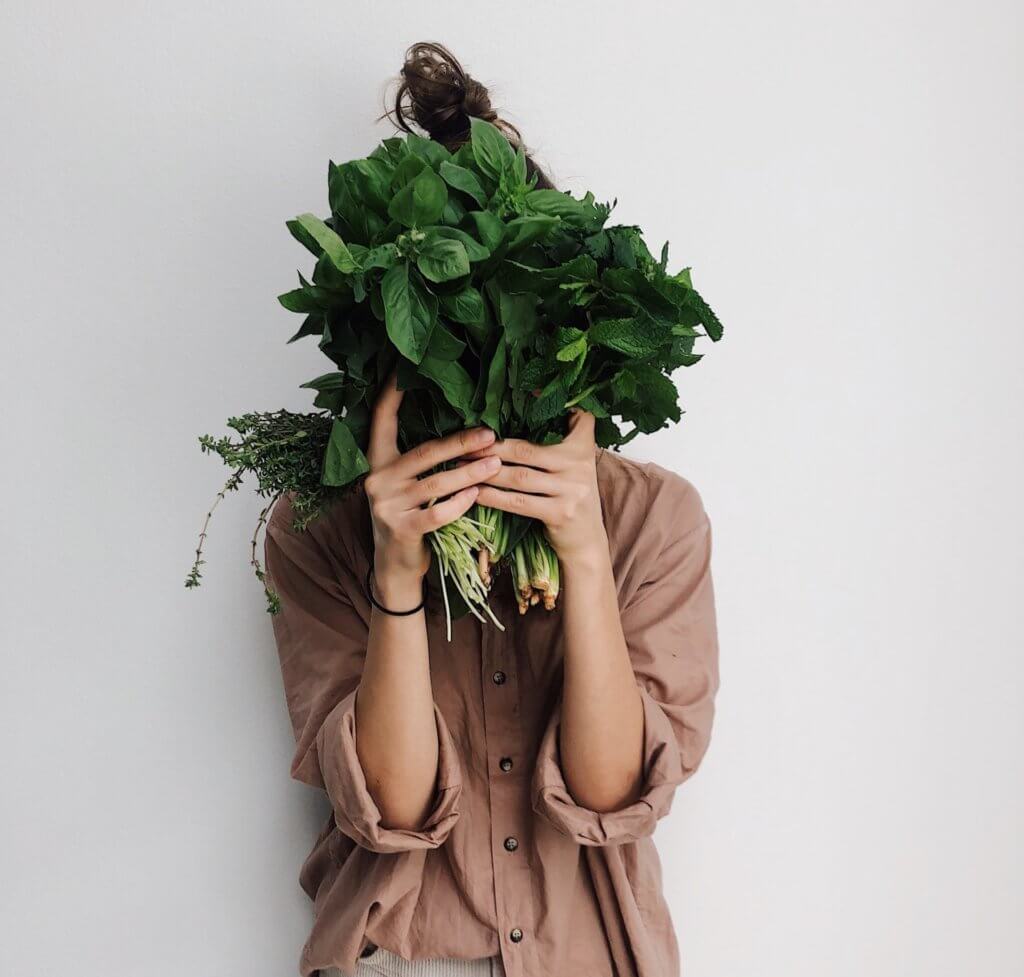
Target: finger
522,478
438,515
441,484
516,451
383,447
521,503
430,454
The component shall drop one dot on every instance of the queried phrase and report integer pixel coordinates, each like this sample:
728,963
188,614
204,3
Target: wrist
396,587
589,558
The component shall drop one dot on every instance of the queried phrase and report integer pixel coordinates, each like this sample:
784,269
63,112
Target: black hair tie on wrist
386,610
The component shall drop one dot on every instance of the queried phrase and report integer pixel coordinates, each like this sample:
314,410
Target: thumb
581,424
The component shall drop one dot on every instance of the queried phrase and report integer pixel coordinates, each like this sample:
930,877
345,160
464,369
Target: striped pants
383,963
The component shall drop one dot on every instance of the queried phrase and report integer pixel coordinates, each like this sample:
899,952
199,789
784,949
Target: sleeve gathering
321,638
671,634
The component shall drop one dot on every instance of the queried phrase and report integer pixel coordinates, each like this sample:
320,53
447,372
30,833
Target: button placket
513,879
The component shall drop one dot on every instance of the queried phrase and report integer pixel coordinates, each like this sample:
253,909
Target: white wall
844,178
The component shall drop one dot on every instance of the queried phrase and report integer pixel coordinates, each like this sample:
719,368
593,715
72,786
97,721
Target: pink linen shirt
506,862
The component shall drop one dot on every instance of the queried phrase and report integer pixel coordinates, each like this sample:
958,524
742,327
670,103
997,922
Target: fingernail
493,463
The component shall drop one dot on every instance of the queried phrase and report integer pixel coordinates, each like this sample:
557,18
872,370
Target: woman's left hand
556,484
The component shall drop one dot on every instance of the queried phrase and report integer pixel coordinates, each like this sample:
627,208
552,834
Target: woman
494,798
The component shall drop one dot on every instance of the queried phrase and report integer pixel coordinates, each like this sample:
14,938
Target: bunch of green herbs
497,303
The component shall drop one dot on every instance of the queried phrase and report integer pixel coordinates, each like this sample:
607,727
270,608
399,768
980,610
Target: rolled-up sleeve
321,633
669,625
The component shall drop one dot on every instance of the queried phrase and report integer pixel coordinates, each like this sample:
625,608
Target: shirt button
505,763
516,935
511,844
498,678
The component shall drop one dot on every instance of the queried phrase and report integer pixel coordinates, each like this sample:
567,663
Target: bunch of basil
498,303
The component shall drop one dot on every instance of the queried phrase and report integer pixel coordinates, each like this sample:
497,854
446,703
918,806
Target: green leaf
327,381
465,180
429,150
549,405
655,399
304,237
454,212
474,249
636,337
312,325
343,459
410,311
572,351
454,382
420,202
359,192
383,256
517,169
465,306
443,345
556,203
308,298
491,150
408,168
497,380
441,260
708,319
524,231
329,242
518,314
490,228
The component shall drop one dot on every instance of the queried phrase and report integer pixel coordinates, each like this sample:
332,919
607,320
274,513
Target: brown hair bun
440,97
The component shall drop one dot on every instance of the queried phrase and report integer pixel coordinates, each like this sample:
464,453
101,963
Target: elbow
607,793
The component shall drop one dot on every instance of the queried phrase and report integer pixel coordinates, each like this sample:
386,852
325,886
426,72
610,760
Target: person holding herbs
494,793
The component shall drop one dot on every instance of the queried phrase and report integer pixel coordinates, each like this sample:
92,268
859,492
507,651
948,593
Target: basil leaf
491,150
343,459
454,382
465,180
474,249
497,381
410,311
441,260
420,202
328,241
465,306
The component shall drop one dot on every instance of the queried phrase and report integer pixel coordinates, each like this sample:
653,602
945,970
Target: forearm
602,727
396,735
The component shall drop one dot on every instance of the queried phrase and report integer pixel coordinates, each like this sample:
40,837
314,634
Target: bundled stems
470,549
455,547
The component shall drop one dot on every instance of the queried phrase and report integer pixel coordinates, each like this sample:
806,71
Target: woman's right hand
396,495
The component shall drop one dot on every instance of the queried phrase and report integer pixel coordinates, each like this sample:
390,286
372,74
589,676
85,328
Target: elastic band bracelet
386,610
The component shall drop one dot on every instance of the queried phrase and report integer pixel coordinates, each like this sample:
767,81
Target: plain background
845,179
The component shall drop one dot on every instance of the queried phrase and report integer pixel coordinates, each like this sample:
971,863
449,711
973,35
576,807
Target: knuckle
521,476
523,450
422,452
431,485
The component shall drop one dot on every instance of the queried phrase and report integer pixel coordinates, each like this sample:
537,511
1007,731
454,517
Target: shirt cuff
355,811
663,772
